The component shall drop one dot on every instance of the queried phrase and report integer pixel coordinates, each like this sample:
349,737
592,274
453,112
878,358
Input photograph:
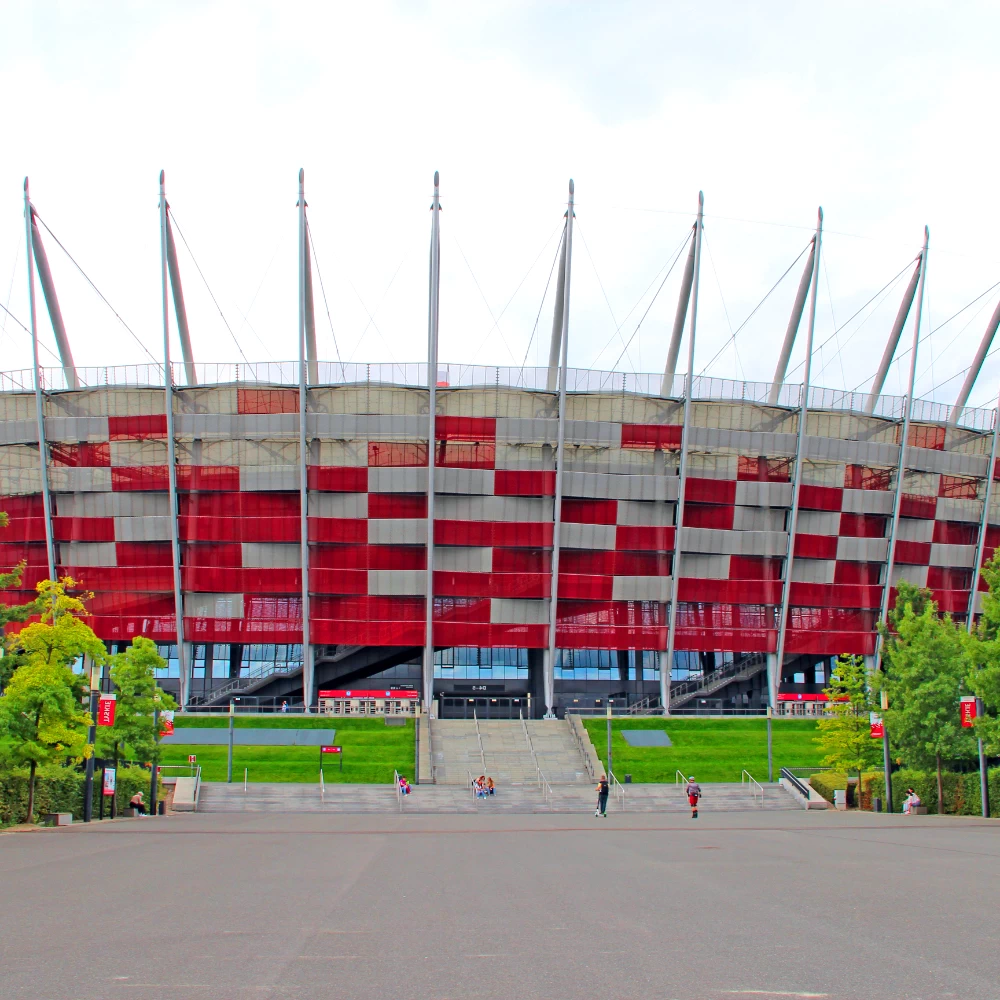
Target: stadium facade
268,525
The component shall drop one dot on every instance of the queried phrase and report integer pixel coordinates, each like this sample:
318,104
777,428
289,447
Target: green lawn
710,749
372,750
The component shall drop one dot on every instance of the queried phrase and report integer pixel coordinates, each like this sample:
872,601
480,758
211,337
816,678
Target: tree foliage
9,613
134,675
845,732
40,712
926,666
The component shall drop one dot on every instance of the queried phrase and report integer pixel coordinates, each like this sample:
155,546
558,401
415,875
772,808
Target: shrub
961,791
827,782
129,781
57,789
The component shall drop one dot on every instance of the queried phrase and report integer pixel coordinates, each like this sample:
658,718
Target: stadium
502,540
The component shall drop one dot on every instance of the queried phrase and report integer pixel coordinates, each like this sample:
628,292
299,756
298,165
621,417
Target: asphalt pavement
447,907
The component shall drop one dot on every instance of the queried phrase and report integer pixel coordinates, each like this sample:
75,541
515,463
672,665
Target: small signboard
331,749
967,711
877,730
192,758
337,750
109,781
106,710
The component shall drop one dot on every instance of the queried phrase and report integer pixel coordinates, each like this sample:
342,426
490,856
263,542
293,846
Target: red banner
877,730
369,694
967,711
331,749
167,727
106,710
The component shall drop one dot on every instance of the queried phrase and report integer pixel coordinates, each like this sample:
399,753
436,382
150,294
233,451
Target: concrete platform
752,905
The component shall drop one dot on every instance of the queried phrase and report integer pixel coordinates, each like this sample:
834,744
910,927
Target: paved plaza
447,907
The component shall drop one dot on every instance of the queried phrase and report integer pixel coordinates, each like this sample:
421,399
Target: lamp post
770,758
88,786
229,768
154,767
984,786
886,760
609,737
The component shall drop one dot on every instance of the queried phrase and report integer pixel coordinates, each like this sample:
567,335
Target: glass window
819,674
199,657
799,678
220,660
475,663
173,667
264,659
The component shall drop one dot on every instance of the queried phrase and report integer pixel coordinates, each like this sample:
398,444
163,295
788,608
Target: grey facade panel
958,509
396,480
111,505
641,588
20,431
353,505
872,453
269,477
645,513
528,430
818,522
915,529
263,555
213,605
397,582
87,554
364,426
602,433
603,485
917,575
463,558
751,494
74,429
721,541
85,480
745,442
492,508
959,556
951,463
518,612
236,426
813,570
863,549
398,531
698,566
587,536
468,481
151,528
867,502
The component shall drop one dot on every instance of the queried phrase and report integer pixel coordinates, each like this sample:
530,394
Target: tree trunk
31,793
940,788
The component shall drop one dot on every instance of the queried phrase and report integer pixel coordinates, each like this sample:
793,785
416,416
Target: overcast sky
883,114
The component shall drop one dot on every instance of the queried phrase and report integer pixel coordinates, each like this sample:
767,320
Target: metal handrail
746,778
581,747
543,782
618,788
472,785
479,736
399,791
197,787
322,786
246,777
798,785
680,778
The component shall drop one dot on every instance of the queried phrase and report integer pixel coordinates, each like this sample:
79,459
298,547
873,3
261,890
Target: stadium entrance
483,707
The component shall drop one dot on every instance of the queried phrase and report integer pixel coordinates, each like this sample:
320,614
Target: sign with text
381,693
192,758
967,711
106,710
109,781
877,730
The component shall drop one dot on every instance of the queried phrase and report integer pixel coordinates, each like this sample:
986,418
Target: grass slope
710,749
372,750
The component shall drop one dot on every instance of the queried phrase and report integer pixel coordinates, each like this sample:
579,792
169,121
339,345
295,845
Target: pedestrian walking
693,792
603,788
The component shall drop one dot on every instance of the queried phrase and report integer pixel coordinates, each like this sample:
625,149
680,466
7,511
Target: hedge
961,791
60,789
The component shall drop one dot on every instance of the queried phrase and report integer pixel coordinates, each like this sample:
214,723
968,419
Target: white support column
180,310
43,457
793,326
307,651
774,675
433,304
976,366
893,341
168,403
984,520
555,350
901,470
670,369
562,311
666,664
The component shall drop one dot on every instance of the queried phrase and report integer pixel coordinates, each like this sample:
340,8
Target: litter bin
840,798
628,779
877,804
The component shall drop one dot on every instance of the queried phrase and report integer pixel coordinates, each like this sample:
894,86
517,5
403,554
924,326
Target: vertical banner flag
877,726
106,710
109,781
967,710
166,723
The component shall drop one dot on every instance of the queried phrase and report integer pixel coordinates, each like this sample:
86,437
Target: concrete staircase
576,798
508,750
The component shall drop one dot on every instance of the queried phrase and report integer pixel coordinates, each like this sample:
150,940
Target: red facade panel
754,568
589,511
84,455
666,437
524,483
516,534
702,590
815,546
857,573
835,595
955,533
338,581
644,538
913,553
717,491
349,530
918,506
153,425
235,504
263,401
764,470
522,585
862,525
820,497
405,505
525,560
703,515
337,479
449,428
143,554
83,529
465,454
397,453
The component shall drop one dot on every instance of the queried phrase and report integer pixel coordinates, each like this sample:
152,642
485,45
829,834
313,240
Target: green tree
925,666
134,675
9,660
845,733
40,712
984,657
